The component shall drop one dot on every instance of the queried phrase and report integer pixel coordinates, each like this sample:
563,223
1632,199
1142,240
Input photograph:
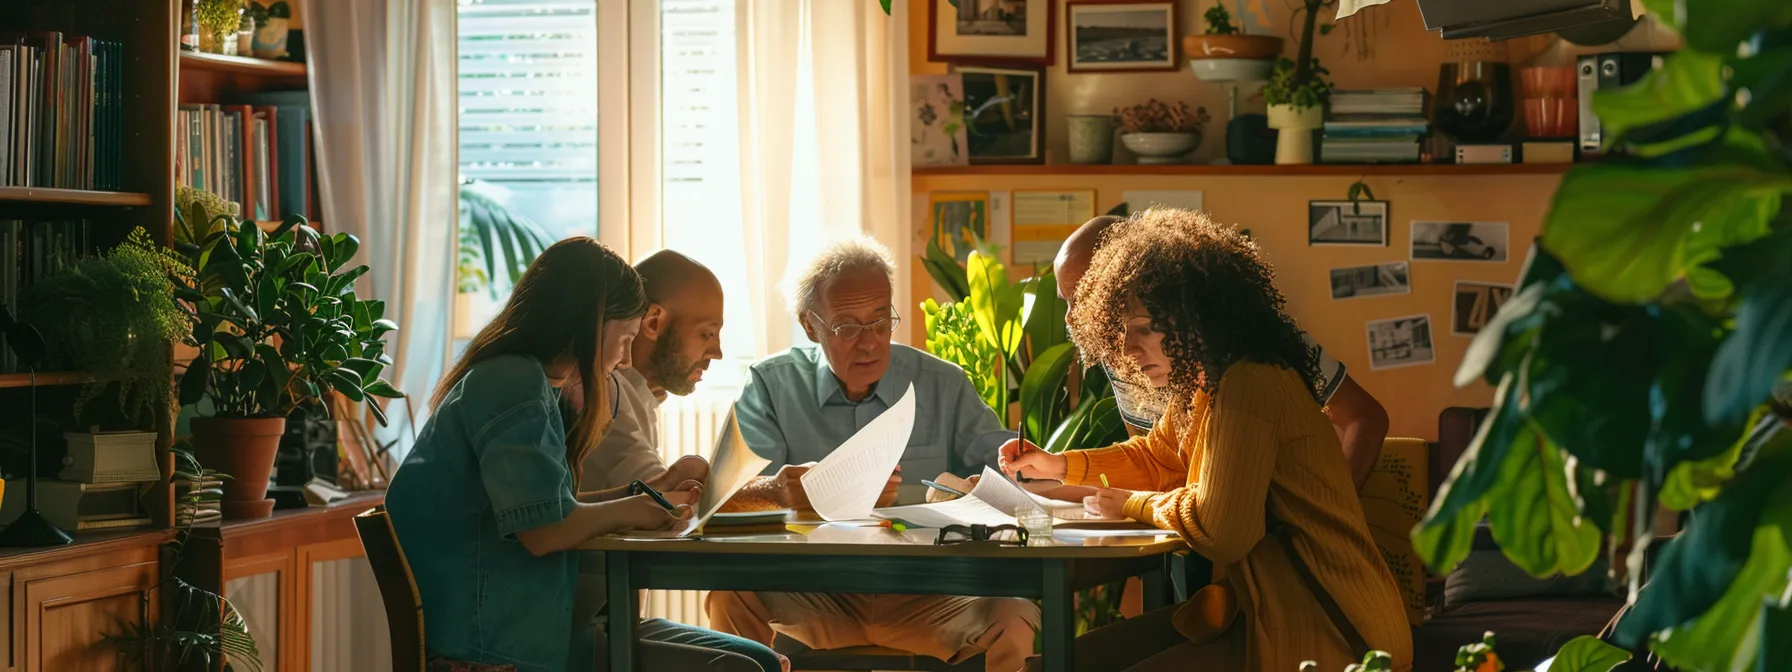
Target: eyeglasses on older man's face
850,331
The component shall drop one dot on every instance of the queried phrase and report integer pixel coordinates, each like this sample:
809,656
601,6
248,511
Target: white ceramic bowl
1231,69
1160,148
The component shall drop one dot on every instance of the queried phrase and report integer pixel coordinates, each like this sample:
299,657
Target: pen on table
894,525
941,488
639,488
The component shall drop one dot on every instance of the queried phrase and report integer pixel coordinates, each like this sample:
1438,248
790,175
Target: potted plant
1159,133
218,21
270,28
113,317
278,326
1225,54
1298,93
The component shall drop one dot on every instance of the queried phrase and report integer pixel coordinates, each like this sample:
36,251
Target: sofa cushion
1487,575
1526,631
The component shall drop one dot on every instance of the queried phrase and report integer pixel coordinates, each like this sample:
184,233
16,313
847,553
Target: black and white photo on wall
1394,277
1118,36
1474,304
1347,223
990,30
1401,341
1004,113
1486,242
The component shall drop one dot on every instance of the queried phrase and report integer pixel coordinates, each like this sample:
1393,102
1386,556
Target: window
528,118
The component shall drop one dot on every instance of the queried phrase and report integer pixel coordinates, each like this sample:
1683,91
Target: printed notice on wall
1142,199
1043,219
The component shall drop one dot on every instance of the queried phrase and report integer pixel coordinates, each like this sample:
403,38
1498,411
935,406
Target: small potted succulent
1225,54
1160,133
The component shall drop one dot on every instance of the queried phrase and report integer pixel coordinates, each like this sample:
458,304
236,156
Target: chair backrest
1456,427
398,589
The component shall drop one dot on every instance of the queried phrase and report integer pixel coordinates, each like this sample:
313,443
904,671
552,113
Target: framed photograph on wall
1347,223
1116,36
1004,113
1475,304
1401,341
1352,282
1483,242
966,31
959,221
936,120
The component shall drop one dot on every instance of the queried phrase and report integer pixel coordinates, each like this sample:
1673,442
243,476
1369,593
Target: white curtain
383,96
823,93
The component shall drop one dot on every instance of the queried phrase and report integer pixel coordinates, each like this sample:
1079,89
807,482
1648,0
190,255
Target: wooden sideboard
63,601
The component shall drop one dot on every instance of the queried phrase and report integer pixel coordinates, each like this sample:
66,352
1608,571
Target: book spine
5,113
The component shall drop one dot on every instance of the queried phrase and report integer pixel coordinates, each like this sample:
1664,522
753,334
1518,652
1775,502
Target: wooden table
844,559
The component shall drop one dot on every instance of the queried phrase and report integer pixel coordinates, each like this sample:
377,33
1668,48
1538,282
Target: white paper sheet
961,511
731,466
845,484
992,502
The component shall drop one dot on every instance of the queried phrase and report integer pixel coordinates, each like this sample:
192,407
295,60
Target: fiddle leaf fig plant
279,324
1636,367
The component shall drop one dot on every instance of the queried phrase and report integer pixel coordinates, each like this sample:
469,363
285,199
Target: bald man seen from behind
1360,421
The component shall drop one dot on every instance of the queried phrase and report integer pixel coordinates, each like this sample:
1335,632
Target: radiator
348,624
688,426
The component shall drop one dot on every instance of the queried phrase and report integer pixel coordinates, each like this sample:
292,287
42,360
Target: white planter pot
1160,148
1294,140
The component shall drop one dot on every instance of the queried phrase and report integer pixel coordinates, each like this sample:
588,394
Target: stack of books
255,153
30,251
60,115
1375,126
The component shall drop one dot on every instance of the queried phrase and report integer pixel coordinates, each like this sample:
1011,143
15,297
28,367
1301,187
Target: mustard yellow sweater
1205,472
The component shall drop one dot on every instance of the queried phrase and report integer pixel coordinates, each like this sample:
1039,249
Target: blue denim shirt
793,410
489,463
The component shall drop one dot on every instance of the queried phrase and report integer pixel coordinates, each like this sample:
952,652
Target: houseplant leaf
994,301
1687,82
1754,356
1535,519
1588,654
1726,636
1042,386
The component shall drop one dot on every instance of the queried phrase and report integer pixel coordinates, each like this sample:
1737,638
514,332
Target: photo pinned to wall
1486,242
1004,114
1347,223
1475,304
936,121
1145,199
1044,219
1110,36
1394,277
990,30
960,221
1401,341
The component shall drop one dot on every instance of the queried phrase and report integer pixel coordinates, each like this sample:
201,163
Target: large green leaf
994,301
1756,355
1042,389
1623,230
1698,566
1695,482
1444,542
1718,25
1042,312
1512,328
946,271
1477,472
1776,637
1686,82
1767,75
1534,516
1587,384
1727,636
1588,654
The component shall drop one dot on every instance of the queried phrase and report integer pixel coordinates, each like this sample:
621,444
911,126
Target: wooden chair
857,658
398,589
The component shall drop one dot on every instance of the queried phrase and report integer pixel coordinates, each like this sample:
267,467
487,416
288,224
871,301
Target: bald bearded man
1360,421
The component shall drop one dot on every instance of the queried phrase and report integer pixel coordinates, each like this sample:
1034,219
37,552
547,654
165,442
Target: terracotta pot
1254,47
243,448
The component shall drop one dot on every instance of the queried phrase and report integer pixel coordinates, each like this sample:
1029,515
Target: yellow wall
1274,208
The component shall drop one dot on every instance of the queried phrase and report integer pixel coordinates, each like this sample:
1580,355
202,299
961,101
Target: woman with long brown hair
1244,466
486,505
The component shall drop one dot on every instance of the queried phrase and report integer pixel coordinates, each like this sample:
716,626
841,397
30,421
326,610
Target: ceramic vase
1295,126
1091,138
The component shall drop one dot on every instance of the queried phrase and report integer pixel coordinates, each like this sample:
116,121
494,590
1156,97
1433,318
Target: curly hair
1207,290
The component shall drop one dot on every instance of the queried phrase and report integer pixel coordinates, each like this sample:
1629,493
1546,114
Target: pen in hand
1104,481
639,488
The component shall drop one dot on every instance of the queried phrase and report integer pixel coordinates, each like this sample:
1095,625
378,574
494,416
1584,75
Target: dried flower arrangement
1156,116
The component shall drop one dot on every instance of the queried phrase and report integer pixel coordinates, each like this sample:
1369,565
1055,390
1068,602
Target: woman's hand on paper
687,468
640,512
1107,503
1022,459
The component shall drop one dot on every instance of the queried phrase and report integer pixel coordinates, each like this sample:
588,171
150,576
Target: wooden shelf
1413,170
239,65
45,379
71,196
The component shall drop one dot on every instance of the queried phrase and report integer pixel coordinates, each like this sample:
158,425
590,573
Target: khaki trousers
945,627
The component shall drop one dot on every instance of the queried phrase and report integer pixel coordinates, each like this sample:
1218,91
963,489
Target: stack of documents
993,502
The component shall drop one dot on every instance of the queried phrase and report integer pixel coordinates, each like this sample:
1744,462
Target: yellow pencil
1104,481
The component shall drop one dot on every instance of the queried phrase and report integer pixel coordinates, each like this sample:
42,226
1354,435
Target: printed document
845,485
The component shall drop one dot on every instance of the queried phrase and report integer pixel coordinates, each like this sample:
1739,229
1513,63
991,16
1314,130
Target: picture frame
1004,113
1358,282
983,31
936,121
1461,242
958,221
1400,342
1347,223
1121,36
1474,303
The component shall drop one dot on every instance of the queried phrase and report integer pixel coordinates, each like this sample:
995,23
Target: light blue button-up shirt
793,410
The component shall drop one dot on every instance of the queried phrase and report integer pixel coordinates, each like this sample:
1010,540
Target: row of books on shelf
1375,126
30,250
255,151
61,117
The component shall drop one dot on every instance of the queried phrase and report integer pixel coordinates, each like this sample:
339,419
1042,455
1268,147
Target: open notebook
992,502
731,466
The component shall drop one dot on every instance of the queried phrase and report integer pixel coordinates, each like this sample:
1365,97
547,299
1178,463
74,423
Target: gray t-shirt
1141,412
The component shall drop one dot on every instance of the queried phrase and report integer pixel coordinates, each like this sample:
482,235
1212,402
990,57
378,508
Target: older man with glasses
801,404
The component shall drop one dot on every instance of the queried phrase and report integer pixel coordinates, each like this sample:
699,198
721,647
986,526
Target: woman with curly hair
1245,466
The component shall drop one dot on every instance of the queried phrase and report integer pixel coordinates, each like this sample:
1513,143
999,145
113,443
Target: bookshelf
73,196
44,378
192,63
1309,170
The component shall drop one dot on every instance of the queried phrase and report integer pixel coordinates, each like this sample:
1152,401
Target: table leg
622,610
1157,589
1059,626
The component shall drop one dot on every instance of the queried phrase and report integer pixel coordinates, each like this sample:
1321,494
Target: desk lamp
31,528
